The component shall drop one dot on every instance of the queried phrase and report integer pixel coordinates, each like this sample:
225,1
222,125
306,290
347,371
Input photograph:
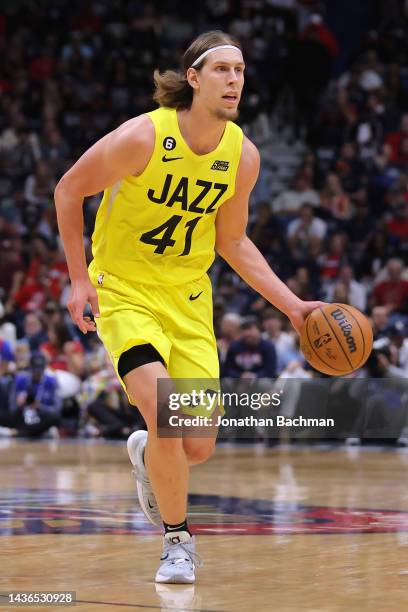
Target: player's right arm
123,152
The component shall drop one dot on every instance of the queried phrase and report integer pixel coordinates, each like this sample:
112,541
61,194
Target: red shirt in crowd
398,228
391,292
329,266
32,296
394,140
58,360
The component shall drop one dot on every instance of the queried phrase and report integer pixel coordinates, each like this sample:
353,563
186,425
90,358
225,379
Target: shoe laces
191,555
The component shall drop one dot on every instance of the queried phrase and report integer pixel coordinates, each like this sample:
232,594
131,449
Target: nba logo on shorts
100,279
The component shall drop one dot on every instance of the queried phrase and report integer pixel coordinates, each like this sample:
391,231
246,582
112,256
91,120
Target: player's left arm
239,251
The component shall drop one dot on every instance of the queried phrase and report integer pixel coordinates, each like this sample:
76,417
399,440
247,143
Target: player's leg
164,458
130,317
168,472
194,362
134,338
199,449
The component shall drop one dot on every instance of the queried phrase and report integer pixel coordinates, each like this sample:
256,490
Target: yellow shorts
176,320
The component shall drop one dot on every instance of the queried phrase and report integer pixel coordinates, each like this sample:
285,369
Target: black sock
174,528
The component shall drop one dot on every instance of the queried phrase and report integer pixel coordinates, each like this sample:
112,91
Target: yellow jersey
159,227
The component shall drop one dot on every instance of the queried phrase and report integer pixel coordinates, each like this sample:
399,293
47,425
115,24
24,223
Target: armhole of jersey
238,148
140,178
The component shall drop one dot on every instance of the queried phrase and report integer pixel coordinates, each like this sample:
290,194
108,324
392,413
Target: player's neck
201,131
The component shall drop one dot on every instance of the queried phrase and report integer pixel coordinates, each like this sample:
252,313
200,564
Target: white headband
203,55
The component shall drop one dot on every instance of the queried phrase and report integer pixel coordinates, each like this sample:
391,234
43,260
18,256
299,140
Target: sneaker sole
161,578
131,444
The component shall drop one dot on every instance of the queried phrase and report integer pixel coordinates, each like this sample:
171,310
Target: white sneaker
135,447
178,560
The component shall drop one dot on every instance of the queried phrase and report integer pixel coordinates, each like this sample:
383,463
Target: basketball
336,339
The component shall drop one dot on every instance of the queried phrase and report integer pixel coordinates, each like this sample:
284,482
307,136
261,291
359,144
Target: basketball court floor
284,529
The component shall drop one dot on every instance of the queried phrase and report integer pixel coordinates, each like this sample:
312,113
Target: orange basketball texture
336,339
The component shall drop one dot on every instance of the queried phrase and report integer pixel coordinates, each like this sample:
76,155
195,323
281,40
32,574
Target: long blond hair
171,87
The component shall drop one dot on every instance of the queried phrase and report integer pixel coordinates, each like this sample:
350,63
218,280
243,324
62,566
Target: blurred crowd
70,72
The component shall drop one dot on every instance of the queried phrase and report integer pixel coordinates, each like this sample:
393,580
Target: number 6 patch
169,143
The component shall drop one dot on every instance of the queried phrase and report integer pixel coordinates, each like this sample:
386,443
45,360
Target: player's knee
146,406
198,453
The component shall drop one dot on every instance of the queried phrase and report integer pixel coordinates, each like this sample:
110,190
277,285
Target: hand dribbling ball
336,339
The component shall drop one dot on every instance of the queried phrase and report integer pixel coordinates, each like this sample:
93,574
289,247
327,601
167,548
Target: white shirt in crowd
357,294
292,200
315,229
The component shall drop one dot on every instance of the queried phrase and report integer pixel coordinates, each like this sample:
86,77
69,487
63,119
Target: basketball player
176,185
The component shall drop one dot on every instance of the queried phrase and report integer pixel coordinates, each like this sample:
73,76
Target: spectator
394,139
39,187
34,331
376,255
7,357
22,356
111,414
20,147
7,328
63,352
403,352
380,321
230,331
361,227
349,168
289,202
392,292
355,291
397,225
251,356
7,422
283,341
307,288
333,200
397,335
305,234
54,150
35,405
34,293
331,261
11,268
340,293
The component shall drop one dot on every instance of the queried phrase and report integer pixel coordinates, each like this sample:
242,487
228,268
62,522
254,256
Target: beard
226,114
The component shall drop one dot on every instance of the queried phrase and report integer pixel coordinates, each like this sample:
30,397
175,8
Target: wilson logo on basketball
346,327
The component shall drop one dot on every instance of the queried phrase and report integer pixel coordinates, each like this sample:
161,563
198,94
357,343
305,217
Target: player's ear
192,78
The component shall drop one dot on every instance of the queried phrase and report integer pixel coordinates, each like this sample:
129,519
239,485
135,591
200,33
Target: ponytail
172,89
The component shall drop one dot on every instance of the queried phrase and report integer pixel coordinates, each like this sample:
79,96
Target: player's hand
298,314
83,293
